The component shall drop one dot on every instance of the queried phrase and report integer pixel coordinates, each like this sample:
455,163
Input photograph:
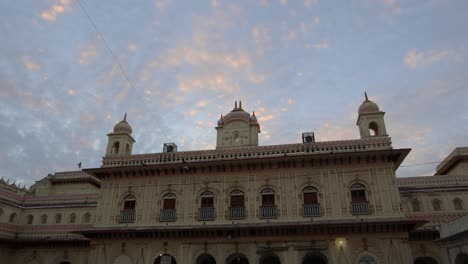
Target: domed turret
221,121
237,129
123,126
371,120
368,106
120,141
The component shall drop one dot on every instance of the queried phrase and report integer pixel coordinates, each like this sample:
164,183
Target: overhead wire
115,58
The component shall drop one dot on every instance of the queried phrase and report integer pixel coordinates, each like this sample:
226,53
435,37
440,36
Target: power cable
116,60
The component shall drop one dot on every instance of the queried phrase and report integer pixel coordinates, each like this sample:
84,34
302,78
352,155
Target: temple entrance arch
425,260
237,258
270,259
314,258
165,259
206,259
461,258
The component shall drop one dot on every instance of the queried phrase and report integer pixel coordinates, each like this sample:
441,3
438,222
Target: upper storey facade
242,181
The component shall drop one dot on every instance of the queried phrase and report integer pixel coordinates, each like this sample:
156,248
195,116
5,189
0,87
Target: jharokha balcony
311,210
360,208
167,215
206,214
127,216
236,213
268,212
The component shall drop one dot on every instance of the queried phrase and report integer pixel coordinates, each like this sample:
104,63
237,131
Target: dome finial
240,104
235,105
365,94
125,117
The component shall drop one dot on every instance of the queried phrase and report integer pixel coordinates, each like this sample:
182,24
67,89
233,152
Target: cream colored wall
459,169
333,185
75,188
426,199
385,249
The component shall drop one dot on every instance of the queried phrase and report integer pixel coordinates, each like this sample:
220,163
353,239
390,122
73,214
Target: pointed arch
87,218
373,129
30,219
458,204
115,147
436,205
58,218
72,218
416,205
44,219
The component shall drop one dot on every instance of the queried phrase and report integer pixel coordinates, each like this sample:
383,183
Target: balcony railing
360,208
236,213
311,210
167,215
268,212
127,216
206,214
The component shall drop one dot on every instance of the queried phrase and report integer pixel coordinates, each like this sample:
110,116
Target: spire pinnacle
125,117
235,105
240,104
253,113
365,94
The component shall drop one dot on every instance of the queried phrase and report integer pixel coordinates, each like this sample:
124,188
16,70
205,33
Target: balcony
127,216
268,212
206,214
311,210
236,213
360,208
167,215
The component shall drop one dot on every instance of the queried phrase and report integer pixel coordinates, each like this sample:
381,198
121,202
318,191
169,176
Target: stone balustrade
342,146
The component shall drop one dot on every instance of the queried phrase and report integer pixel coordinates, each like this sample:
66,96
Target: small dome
237,114
123,126
368,106
253,118
221,121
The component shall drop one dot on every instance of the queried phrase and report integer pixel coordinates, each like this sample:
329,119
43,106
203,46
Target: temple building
300,203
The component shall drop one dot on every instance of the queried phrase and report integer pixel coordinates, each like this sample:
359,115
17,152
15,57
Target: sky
69,73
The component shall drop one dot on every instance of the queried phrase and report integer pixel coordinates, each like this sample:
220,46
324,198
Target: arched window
44,219
237,198
359,203
115,148
436,205
358,193
165,258
127,215
268,197
129,203
205,259
367,260
206,212
30,219
87,218
310,195
416,205
373,129
311,205
1,213
458,204
237,258
270,259
169,201
12,218
236,205
207,200
72,218
58,218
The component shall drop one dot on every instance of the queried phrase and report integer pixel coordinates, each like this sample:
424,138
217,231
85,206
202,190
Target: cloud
88,53
29,63
323,44
132,46
51,13
416,59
